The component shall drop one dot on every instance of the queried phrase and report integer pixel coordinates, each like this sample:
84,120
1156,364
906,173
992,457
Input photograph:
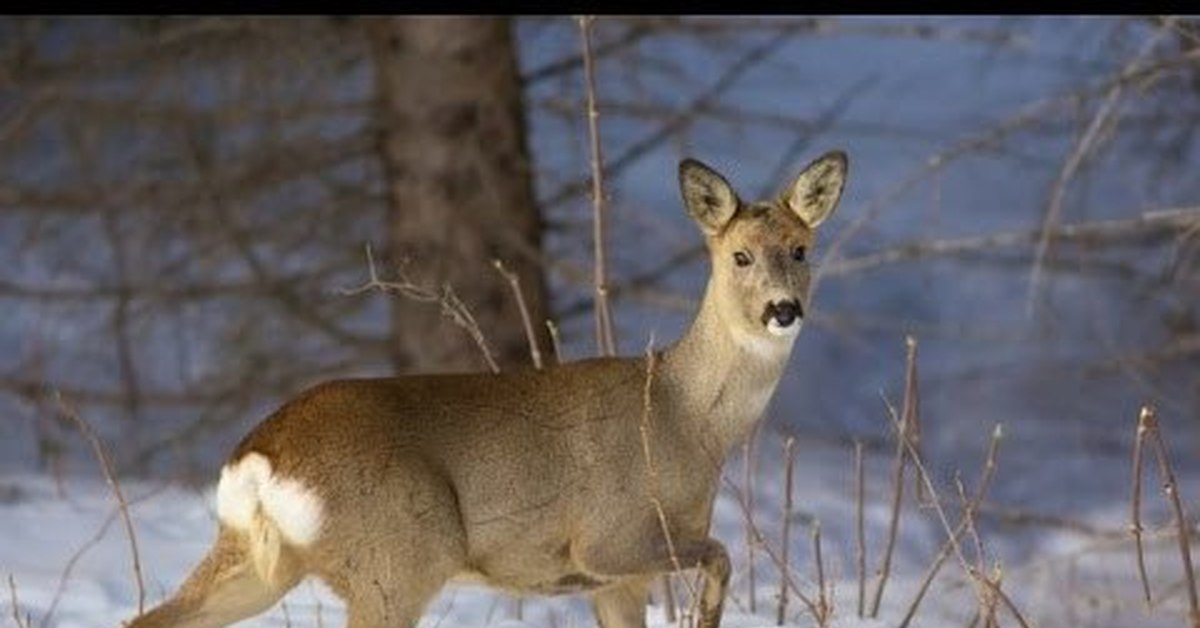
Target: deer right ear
708,196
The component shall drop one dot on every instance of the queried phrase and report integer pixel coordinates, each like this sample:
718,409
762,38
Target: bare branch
904,438
1008,603
605,341
632,35
21,622
679,122
1078,153
823,597
1016,516
452,307
1170,489
789,453
514,282
989,137
115,486
652,480
1135,526
1147,227
552,329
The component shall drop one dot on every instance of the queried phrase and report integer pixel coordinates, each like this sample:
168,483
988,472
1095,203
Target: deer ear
817,189
708,196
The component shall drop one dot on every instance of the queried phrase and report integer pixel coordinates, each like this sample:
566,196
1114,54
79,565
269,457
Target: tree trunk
459,185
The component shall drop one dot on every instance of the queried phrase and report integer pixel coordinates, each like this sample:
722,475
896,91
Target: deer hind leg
374,604
388,562
388,582
229,584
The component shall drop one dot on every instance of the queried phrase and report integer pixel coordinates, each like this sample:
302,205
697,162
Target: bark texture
459,183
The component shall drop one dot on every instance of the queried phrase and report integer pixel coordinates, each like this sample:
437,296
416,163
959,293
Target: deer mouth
783,318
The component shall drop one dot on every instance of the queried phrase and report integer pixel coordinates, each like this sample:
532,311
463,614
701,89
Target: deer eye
798,253
742,258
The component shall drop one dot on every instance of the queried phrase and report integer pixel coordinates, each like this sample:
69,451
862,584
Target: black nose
784,312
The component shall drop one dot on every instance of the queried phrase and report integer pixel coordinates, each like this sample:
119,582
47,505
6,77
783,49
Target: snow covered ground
69,559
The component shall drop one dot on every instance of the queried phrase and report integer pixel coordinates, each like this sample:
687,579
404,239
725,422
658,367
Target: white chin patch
789,331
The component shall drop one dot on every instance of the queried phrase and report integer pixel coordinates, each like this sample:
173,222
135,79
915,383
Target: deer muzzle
782,318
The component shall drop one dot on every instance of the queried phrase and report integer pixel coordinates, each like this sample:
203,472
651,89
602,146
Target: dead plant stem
514,282
110,477
605,341
1171,490
789,452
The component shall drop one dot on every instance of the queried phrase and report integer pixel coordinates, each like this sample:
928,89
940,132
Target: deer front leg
712,558
654,556
622,605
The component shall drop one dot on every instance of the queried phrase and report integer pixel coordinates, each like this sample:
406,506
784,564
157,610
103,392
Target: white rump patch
248,485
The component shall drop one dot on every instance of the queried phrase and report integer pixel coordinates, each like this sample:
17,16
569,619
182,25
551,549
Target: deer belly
543,568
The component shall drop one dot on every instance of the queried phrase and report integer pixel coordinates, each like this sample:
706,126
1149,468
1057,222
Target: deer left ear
817,189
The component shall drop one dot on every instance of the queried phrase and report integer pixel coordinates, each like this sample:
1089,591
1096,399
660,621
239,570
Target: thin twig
968,521
605,341
555,341
987,602
1171,490
930,573
65,575
911,413
822,598
893,523
1135,526
951,535
1075,159
687,617
22,622
645,429
991,598
768,550
985,481
684,117
670,603
860,553
988,137
452,307
902,440
1017,516
110,477
633,34
1008,603
514,282
1146,227
789,452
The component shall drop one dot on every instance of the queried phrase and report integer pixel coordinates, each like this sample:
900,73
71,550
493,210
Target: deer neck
722,377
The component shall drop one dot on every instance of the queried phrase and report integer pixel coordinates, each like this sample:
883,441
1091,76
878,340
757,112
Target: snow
69,535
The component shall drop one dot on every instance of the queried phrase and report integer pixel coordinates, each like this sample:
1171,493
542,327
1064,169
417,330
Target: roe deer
593,476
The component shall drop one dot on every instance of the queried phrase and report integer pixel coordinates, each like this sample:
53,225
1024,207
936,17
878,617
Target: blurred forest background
185,206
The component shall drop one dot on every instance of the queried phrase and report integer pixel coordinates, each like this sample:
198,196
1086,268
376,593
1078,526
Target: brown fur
532,481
